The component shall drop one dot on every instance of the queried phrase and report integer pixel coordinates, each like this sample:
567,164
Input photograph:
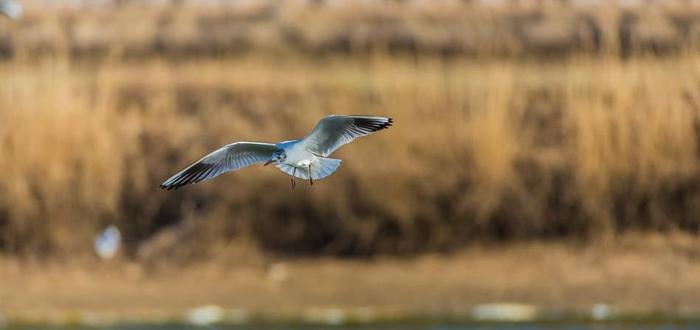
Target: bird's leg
294,183
311,178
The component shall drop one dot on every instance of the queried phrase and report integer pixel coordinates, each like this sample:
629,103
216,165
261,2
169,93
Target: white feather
320,168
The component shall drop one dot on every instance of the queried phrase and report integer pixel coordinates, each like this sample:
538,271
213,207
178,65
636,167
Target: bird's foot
294,183
311,178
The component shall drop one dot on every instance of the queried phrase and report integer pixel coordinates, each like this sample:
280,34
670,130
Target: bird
107,242
306,158
10,8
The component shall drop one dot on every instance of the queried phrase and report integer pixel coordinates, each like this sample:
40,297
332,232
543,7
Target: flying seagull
306,158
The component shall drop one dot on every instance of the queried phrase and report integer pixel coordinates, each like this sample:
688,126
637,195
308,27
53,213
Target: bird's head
277,157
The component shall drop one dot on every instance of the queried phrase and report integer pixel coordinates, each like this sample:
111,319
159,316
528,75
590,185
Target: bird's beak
269,162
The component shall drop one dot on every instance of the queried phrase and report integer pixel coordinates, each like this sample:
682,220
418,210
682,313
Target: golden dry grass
484,148
444,28
487,149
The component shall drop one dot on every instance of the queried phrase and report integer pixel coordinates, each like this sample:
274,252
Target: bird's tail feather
320,168
324,167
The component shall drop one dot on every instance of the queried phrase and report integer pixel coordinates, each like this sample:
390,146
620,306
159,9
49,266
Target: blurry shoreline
625,278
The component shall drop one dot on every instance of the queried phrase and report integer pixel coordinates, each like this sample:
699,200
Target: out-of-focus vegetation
511,123
436,28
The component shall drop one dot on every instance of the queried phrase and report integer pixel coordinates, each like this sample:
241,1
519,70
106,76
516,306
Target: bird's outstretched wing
227,158
333,131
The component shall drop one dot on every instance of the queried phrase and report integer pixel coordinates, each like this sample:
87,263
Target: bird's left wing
331,132
227,158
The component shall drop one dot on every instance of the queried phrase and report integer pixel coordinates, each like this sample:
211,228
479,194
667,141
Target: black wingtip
164,187
388,123
383,125
173,186
375,124
193,174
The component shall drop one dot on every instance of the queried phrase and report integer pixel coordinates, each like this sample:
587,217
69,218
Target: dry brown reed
482,149
488,149
444,28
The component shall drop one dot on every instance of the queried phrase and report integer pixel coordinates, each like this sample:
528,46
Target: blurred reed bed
316,28
484,149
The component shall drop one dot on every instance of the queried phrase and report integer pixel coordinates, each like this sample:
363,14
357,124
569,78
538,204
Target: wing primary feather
227,158
334,131
192,172
182,179
202,173
209,172
212,172
179,179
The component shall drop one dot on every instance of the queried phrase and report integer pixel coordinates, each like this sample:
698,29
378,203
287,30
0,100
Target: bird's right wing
332,132
227,158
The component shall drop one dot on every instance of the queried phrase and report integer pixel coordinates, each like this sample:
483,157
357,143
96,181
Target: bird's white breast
298,156
305,162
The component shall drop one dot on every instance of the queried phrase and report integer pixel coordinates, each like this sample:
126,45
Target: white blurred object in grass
10,8
510,312
205,315
108,242
602,312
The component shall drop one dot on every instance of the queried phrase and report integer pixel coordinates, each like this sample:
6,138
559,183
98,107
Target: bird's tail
324,167
320,168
